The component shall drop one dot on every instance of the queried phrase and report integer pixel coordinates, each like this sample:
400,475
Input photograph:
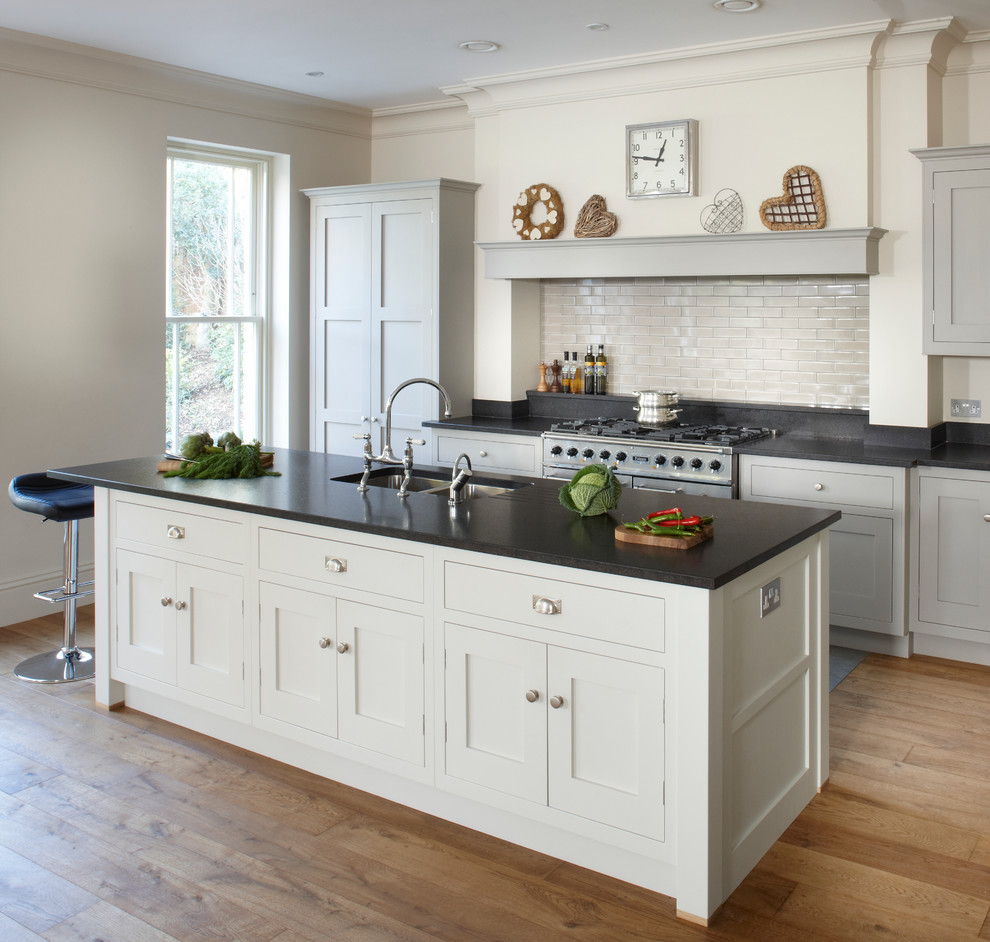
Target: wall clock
662,159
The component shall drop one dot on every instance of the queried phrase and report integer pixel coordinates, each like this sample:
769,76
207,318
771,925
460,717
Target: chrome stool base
58,667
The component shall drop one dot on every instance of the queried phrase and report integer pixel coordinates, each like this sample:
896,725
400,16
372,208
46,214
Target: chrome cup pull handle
336,564
176,533
545,606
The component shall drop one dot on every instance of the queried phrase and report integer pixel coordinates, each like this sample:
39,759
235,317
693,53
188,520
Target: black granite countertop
527,523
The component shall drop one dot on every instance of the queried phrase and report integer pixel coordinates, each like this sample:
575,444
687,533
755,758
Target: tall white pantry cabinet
392,298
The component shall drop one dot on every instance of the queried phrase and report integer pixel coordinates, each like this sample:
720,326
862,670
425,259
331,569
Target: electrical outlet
769,597
966,408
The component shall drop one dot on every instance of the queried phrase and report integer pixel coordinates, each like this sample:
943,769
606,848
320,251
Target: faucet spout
387,455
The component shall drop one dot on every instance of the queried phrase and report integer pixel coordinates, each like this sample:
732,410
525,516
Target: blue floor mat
840,662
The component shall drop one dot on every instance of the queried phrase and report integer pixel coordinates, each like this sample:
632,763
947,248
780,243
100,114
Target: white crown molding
42,57
851,47
414,109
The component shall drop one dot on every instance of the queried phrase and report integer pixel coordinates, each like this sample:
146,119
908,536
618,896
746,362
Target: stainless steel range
676,459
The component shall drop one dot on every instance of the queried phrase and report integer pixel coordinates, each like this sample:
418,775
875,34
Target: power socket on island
966,408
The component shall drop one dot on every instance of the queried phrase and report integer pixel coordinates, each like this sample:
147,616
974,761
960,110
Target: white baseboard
17,601
955,649
870,641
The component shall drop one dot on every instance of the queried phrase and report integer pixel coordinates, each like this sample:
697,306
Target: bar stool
68,503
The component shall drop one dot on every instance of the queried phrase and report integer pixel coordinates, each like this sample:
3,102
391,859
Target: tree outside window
215,315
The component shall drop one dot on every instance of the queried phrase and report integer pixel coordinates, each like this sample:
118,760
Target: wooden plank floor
123,828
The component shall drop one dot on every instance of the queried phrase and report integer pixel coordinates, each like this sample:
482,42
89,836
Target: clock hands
655,160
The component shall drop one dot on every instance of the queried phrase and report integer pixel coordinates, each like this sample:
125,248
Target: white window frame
259,259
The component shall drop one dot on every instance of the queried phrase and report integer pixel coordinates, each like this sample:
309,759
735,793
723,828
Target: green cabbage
593,490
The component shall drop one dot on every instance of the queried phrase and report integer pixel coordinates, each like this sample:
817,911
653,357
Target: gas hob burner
695,434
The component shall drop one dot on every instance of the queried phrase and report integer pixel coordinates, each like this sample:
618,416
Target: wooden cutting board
625,535
170,464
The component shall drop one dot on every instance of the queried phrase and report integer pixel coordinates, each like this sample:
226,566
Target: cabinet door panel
861,554
495,736
210,633
298,677
145,626
380,680
954,553
606,741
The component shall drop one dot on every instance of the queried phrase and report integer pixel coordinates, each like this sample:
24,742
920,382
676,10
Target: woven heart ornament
801,207
595,221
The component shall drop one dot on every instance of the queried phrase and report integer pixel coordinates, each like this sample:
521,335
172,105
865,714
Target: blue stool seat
66,503
54,500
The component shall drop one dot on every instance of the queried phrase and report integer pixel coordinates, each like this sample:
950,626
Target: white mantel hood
804,252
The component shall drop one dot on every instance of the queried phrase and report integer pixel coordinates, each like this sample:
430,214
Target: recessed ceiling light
314,74
737,6
597,27
478,45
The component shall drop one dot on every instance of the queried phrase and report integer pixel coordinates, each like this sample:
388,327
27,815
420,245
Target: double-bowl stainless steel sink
429,482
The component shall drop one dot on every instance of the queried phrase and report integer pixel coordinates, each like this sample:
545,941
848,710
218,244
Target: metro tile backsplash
790,340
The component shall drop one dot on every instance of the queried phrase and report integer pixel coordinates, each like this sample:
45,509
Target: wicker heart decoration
523,208
801,207
595,221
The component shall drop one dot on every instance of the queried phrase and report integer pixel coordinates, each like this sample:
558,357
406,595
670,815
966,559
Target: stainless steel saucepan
656,406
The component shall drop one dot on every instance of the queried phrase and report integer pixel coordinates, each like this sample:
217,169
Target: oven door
668,486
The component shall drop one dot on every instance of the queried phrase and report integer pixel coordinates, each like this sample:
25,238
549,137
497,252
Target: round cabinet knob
986,517
571,452
715,464
325,642
556,450
588,453
335,564
696,463
660,460
677,461
166,603
343,647
620,456
556,702
604,454
482,454
179,606
364,418
532,695
819,487
374,418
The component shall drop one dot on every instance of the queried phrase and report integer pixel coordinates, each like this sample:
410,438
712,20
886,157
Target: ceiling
392,53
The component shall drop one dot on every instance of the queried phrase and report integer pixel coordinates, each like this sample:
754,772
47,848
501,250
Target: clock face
662,159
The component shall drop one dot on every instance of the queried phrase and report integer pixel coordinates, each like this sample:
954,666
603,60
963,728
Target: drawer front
179,530
339,564
821,486
520,454
573,608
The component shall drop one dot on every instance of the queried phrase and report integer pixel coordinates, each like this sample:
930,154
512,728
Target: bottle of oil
601,372
577,378
589,372
565,374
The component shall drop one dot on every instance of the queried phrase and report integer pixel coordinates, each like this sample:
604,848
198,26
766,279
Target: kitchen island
659,715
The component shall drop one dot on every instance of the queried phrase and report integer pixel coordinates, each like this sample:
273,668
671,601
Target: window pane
210,215
210,380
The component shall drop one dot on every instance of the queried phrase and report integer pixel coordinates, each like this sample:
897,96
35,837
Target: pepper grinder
555,382
542,387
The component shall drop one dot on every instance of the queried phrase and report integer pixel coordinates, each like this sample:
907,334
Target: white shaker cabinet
956,231
489,451
392,298
179,621
952,568
868,546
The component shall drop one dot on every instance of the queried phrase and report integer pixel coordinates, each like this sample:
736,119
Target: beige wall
82,249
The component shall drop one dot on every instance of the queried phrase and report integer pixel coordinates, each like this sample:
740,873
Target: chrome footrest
60,595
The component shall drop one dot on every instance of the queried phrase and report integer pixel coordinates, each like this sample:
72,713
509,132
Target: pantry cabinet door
341,326
298,658
606,740
209,623
496,735
380,669
145,615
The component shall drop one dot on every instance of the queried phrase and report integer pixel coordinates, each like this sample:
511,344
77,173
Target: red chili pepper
680,522
662,513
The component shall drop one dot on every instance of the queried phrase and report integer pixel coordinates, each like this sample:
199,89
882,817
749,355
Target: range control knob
556,450
715,464
695,463
677,461
620,456
588,453
571,452
604,454
660,460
